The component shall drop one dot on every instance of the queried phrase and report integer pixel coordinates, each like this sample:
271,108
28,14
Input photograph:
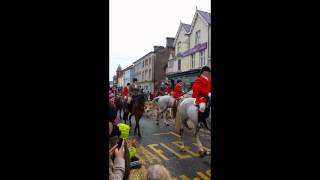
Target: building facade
143,71
161,61
192,50
128,75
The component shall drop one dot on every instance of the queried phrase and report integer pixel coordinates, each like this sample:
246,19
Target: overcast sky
138,25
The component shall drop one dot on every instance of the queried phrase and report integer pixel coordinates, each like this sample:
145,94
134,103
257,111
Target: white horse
187,110
164,104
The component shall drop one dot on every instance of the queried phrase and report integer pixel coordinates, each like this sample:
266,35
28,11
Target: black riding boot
201,120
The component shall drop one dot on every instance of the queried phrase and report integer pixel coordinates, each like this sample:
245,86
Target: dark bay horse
119,103
136,108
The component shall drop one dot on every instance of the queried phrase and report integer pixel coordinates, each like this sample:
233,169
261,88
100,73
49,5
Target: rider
178,90
125,92
178,95
168,89
162,88
134,90
202,92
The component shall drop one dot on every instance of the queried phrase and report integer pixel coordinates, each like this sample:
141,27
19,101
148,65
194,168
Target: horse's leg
183,148
202,152
137,122
135,128
165,117
157,118
130,119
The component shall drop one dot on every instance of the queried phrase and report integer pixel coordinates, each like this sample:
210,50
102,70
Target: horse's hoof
202,153
167,124
139,135
157,124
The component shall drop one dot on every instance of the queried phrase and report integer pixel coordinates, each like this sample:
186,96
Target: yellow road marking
183,177
175,153
175,134
162,133
158,151
209,173
187,148
141,159
203,176
202,147
172,133
148,154
196,178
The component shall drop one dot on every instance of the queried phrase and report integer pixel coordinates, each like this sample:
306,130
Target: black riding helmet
205,68
135,79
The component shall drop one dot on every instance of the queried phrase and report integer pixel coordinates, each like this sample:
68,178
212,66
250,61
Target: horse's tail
178,121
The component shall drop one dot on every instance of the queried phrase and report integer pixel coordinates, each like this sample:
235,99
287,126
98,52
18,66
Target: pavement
160,145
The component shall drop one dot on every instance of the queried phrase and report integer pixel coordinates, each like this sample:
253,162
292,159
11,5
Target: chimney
170,41
157,48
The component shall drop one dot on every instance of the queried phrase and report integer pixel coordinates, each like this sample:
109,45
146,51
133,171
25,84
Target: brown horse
119,102
136,108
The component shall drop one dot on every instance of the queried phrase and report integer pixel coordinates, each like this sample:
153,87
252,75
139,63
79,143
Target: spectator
117,168
158,172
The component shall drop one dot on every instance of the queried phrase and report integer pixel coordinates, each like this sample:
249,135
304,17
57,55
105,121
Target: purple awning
196,48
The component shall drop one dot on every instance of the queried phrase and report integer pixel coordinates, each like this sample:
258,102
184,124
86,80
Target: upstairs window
179,47
197,37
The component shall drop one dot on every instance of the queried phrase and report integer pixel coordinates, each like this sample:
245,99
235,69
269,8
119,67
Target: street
160,145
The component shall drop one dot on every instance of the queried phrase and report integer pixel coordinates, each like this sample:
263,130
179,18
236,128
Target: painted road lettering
158,151
209,173
177,143
183,177
203,176
148,154
175,153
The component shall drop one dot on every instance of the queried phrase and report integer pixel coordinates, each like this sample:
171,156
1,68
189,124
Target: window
192,61
149,61
198,37
149,74
179,64
142,76
146,73
202,58
146,62
142,63
179,46
170,64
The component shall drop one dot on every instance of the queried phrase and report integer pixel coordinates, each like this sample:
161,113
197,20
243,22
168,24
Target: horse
187,110
166,102
137,109
119,103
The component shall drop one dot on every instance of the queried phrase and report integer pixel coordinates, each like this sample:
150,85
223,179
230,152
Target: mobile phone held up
118,147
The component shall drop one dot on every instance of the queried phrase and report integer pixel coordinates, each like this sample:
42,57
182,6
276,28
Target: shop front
187,78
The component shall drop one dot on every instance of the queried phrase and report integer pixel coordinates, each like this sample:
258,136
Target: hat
205,68
135,79
179,81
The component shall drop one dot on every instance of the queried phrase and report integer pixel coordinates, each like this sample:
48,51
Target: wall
161,61
199,25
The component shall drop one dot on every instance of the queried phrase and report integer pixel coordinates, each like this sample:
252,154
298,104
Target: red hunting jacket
168,90
200,89
125,91
177,92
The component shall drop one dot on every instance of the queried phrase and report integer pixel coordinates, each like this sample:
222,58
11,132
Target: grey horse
164,104
188,111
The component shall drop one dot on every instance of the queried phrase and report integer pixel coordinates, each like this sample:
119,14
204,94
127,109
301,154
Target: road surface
160,145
